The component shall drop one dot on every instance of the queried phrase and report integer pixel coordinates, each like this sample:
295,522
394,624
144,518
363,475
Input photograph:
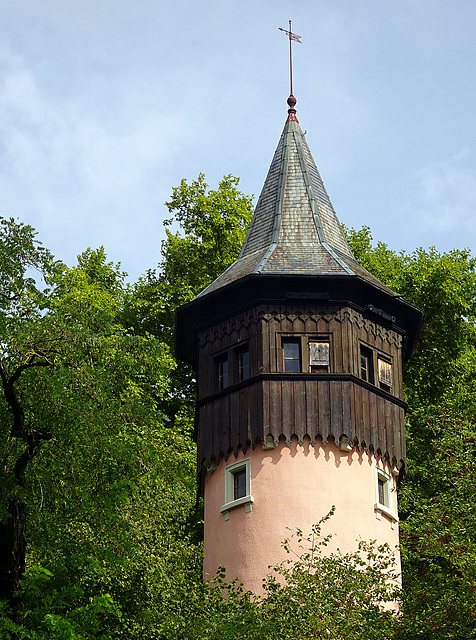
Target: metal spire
292,36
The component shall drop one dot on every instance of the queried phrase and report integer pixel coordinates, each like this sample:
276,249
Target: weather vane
292,36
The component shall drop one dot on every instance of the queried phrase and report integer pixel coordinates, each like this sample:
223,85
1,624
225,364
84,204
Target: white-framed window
384,493
237,487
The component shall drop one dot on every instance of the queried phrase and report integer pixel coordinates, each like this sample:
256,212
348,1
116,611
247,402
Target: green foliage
314,595
19,253
443,286
101,489
437,502
439,530
212,226
97,471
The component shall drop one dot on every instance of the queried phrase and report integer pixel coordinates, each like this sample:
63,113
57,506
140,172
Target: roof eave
256,288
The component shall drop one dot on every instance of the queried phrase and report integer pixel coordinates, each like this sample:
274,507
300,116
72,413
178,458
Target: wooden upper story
309,340
296,338
306,371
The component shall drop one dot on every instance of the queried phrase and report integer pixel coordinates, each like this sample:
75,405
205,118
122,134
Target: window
319,356
230,367
384,494
304,353
376,369
222,371
366,364
237,487
385,374
239,484
243,364
292,355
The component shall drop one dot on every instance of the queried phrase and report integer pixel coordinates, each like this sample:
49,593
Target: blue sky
106,105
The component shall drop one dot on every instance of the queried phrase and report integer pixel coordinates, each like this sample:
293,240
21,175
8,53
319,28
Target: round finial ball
292,101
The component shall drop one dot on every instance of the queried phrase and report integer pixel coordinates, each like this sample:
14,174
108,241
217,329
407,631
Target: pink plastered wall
293,487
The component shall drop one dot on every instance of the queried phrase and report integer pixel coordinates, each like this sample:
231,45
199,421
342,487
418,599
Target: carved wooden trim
223,429
275,313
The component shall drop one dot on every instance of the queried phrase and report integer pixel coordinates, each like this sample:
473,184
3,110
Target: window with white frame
237,487
385,502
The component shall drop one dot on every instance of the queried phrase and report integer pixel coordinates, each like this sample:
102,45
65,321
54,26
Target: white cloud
443,205
74,171
105,106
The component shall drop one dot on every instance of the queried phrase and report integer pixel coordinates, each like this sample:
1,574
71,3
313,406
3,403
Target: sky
105,105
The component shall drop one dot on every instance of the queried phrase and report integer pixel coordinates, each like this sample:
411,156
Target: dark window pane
222,373
239,484
292,356
292,366
366,365
291,350
244,364
381,491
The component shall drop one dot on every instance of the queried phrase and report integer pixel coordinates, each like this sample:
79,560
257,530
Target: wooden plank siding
317,408
311,408
287,409
318,405
299,405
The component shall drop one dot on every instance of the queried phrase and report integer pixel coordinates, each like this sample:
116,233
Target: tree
25,347
438,531
105,480
437,502
313,595
94,485
322,595
98,533
212,226
443,286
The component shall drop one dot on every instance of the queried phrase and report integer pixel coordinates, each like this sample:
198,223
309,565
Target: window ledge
381,508
245,500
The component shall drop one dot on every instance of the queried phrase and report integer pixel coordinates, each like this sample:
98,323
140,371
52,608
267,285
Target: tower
298,352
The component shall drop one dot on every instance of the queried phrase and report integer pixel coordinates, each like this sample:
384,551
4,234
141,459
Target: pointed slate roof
295,249
294,230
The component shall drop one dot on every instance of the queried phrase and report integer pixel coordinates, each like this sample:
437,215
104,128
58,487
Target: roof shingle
294,230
